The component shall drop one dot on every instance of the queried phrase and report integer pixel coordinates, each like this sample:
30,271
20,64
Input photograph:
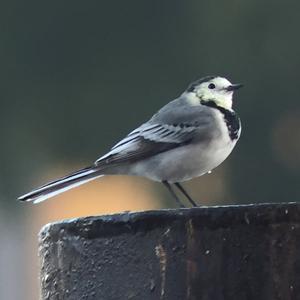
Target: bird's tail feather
61,185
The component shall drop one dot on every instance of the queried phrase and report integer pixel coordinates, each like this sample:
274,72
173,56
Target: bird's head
212,88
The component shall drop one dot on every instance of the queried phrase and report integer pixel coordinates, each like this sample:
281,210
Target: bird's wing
155,137
146,141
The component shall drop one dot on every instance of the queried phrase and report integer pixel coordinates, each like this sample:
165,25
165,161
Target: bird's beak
234,87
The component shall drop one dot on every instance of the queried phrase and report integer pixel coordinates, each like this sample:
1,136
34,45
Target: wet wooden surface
233,252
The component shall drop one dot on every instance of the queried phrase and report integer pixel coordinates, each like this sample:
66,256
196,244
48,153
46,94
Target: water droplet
152,285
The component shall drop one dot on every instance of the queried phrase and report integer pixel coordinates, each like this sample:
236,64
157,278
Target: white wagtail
186,138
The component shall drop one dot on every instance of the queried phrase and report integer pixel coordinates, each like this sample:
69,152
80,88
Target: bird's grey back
180,111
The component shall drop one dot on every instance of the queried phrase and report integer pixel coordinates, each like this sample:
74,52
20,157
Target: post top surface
209,217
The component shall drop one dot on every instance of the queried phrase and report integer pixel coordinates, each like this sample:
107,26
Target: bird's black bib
232,120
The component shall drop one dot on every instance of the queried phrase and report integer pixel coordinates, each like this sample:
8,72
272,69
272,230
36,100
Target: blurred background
78,76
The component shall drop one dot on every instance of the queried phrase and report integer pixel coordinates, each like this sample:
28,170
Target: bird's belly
184,163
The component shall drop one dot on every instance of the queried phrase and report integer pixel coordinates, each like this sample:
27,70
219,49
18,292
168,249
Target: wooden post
233,252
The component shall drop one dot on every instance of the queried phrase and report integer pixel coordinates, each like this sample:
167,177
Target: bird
186,138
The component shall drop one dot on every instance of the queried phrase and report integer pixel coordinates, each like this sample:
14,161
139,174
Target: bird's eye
211,86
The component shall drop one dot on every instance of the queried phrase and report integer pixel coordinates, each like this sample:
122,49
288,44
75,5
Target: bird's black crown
192,86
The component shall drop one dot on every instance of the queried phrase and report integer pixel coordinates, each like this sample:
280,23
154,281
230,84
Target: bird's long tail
61,185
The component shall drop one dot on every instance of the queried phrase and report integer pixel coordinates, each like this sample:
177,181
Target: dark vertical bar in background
234,252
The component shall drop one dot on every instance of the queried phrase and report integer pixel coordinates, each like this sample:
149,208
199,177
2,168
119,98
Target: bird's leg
168,186
184,192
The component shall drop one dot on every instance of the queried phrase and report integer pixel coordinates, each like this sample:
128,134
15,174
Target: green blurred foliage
76,76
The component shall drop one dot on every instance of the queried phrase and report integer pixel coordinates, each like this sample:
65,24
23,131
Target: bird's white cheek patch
224,102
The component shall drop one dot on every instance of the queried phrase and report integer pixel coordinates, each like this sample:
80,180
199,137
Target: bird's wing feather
147,143
168,129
